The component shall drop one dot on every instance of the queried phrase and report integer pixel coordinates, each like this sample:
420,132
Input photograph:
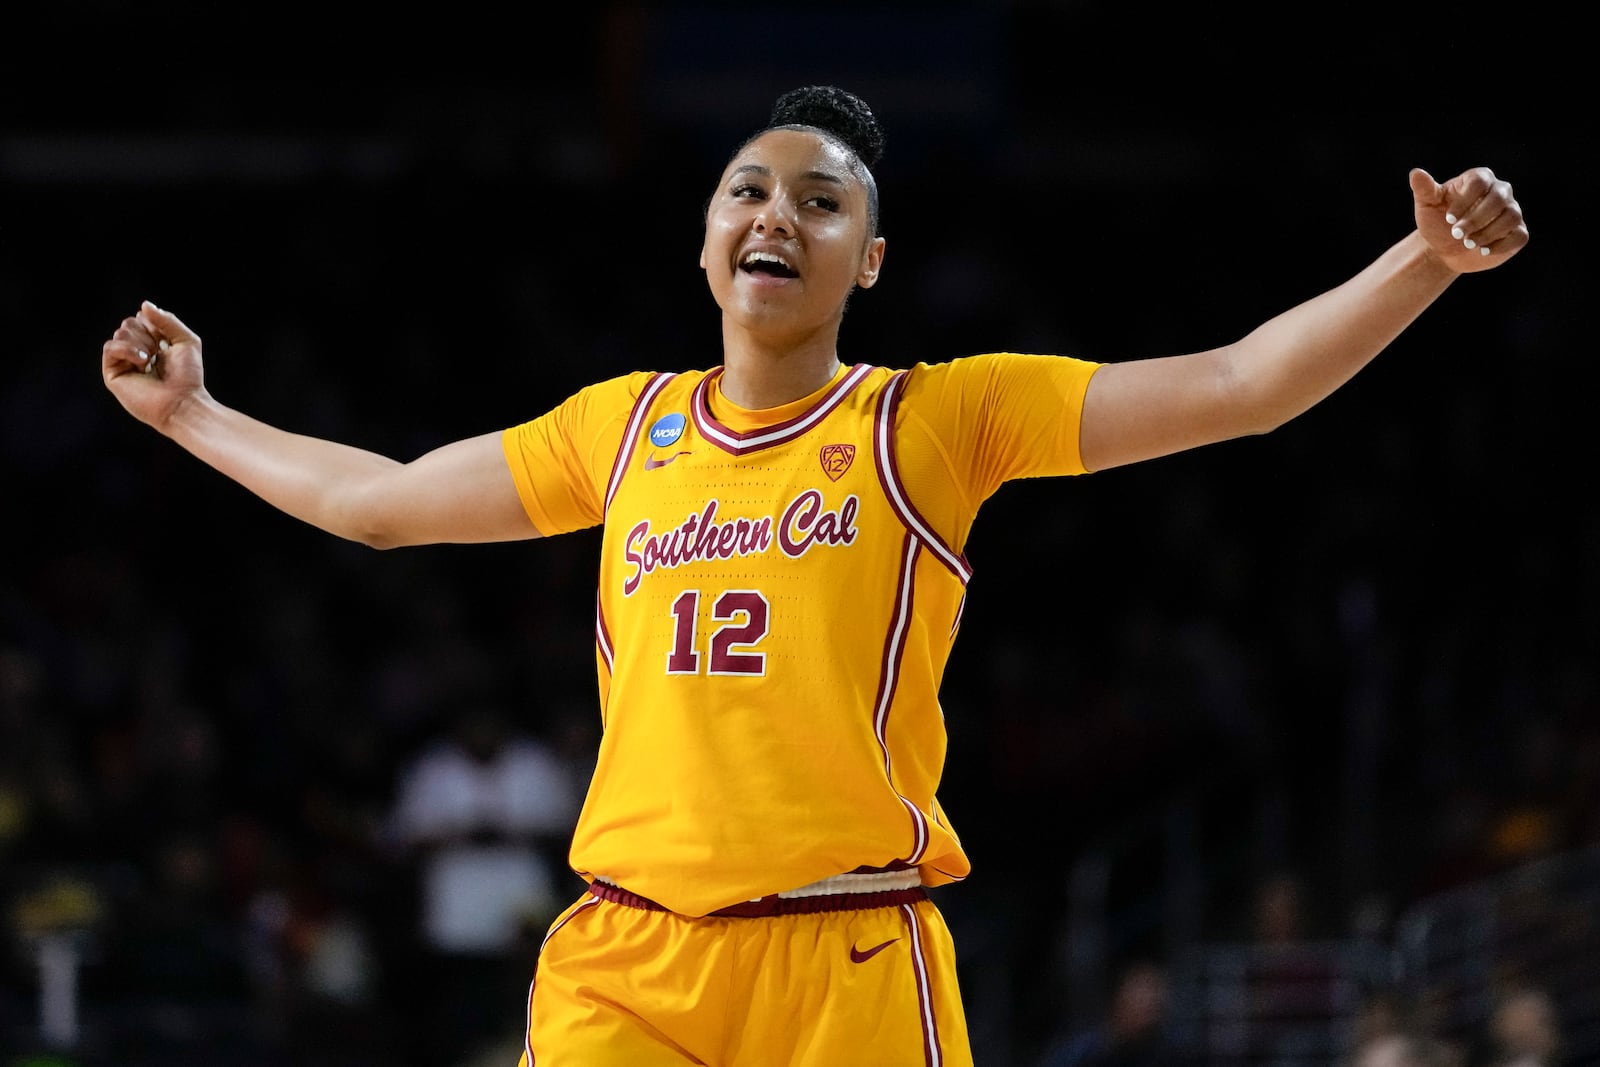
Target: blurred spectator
1133,1033
1396,1029
1280,915
1293,983
314,959
1382,1014
1523,1031
1401,1049
485,814
178,983
1535,811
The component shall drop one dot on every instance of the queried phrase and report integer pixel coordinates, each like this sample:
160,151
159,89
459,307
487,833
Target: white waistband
865,882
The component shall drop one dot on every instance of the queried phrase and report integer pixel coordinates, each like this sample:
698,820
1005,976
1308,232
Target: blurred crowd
269,798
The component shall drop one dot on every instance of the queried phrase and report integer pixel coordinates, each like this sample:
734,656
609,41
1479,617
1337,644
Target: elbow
353,523
1263,421
1258,400
369,514
1273,412
382,544
358,536
382,540
1253,407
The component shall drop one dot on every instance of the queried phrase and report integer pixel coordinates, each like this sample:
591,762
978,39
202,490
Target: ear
705,229
871,264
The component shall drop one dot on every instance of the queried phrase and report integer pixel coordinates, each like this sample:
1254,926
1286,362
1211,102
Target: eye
826,203
741,192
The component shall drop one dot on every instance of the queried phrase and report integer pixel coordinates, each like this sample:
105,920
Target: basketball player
781,582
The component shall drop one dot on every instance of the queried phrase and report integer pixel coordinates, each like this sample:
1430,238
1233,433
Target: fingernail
1451,219
1483,251
165,346
1470,243
144,357
1455,231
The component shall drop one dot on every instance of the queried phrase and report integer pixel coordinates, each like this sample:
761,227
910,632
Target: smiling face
788,235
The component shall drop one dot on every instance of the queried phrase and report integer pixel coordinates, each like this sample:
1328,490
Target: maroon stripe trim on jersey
894,646
933,1055
630,434
961,609
894,489
602,636
938,821
739,443
527,1027
919,823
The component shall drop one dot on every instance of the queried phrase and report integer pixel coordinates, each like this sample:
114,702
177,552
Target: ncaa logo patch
667,429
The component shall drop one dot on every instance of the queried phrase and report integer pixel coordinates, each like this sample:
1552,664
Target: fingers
119,357
140,341
165,324
132,344
1424,188
1482,213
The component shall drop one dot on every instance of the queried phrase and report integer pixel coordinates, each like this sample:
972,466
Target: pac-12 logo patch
836,459
668,428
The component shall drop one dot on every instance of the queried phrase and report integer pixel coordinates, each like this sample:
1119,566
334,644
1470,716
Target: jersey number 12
743,615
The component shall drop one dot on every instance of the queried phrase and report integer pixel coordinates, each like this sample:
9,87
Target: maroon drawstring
775,905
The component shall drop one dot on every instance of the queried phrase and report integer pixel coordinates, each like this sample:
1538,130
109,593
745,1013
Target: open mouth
769,264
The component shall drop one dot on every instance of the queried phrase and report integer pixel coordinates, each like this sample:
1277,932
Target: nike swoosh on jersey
651,462
857,956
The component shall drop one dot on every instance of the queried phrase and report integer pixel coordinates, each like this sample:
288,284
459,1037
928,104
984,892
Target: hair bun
834,111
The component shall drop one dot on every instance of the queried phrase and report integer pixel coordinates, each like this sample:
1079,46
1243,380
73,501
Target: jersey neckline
793,419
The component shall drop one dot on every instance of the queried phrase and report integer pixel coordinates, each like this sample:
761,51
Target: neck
764,373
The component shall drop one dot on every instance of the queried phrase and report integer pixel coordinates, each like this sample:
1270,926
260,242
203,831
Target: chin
773,318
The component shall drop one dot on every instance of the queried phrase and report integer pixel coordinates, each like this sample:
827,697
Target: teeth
767,257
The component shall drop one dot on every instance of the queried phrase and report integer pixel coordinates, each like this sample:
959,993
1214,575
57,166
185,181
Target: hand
151,364
1471,222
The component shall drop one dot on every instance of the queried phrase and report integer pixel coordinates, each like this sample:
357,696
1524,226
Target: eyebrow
766,172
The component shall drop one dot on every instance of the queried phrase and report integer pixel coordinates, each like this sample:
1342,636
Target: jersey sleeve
970,425
562,460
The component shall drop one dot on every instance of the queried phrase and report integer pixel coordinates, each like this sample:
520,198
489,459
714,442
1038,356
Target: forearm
317,481
1298,358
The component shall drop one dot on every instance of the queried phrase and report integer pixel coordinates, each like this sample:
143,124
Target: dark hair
843,118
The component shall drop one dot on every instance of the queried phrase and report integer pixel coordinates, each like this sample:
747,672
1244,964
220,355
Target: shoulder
987,365
967,382
621,391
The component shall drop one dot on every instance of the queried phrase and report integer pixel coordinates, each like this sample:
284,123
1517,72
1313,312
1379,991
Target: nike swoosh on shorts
857,956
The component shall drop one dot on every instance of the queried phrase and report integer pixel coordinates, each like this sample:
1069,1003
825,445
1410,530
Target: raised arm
1152,407
462,492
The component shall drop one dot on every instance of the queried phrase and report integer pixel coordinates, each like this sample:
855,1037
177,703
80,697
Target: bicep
459,493
1145,408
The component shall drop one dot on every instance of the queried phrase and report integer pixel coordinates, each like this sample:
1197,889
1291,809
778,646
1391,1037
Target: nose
775,217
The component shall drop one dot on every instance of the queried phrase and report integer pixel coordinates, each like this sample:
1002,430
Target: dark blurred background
1305,725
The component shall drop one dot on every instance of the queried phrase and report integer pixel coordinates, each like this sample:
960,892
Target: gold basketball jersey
772,623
